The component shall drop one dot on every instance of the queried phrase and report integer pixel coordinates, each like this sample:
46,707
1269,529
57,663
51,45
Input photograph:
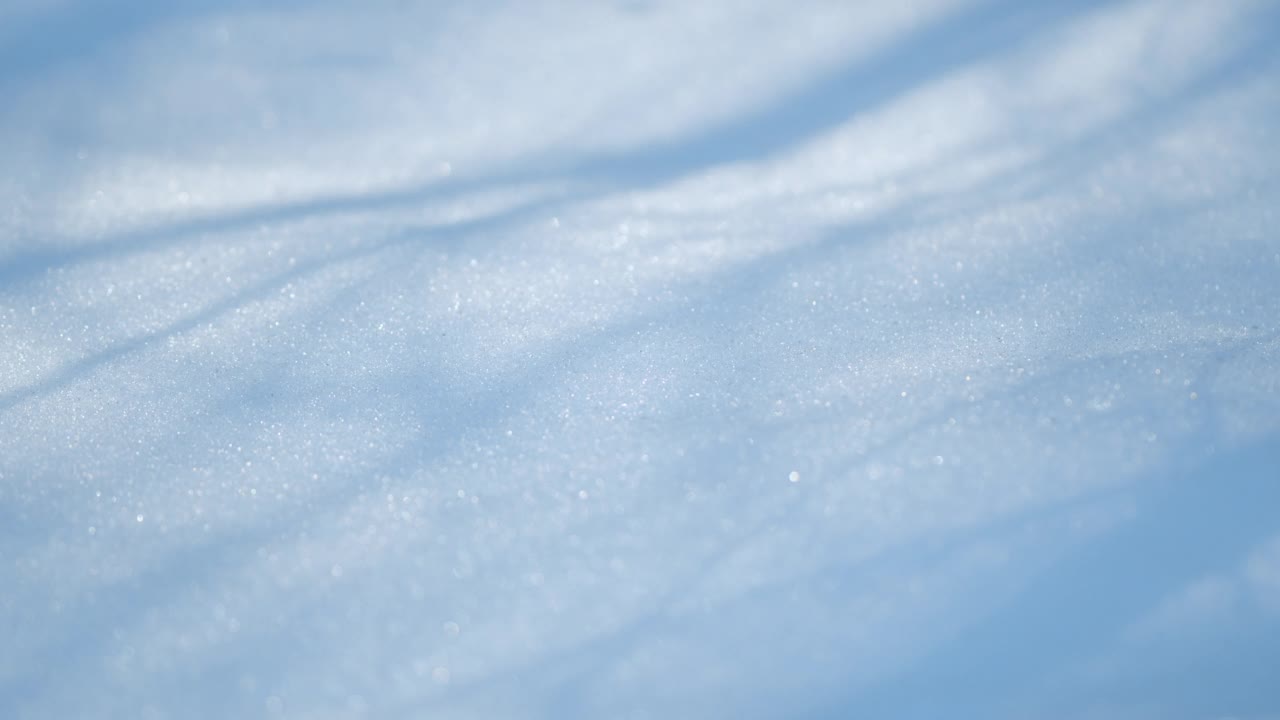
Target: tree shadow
466,409
440,236
558,684
556,675
731,294
776,128
859,87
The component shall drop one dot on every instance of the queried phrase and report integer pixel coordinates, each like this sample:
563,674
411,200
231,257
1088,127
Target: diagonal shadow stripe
925,54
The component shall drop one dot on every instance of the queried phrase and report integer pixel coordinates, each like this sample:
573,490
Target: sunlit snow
639,358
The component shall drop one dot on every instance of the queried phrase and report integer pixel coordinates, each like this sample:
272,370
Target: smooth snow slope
639,359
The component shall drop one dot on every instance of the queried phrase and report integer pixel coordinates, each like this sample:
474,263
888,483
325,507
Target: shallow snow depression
639,359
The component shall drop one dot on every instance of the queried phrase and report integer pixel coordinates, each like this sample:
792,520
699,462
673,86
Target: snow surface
639,359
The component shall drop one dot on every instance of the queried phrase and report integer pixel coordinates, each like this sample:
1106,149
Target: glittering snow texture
639,359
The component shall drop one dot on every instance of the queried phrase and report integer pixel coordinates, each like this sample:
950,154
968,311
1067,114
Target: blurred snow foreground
639,359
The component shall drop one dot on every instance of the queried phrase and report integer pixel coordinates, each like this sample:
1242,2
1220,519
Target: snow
639,359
